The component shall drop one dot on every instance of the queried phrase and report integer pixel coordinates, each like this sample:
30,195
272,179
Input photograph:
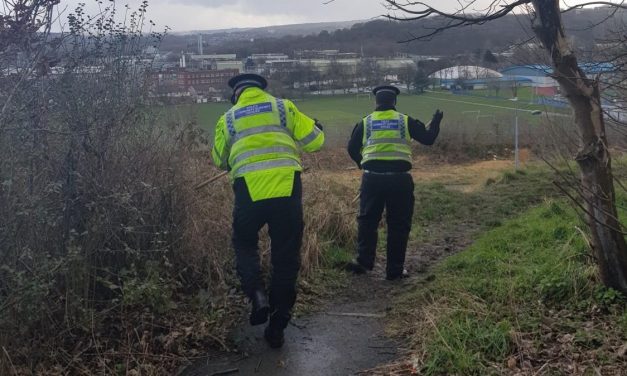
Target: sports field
465,116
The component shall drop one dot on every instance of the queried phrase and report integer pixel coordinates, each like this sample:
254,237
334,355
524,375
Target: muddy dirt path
346,336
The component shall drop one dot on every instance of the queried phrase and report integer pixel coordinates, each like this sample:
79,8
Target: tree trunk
593,157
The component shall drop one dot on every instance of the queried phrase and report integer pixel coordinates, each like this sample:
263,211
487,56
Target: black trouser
284,217
395,192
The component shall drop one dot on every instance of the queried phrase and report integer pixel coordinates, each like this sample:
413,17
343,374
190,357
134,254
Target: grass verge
523,298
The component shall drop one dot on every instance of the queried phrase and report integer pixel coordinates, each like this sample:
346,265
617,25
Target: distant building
262,58
150,50
472,77
211,62
323,65
183,80
539,75
324,54
229,65
452,76
273,66
395,64
200,44
417,58
250,66
545,85
348,65
214,57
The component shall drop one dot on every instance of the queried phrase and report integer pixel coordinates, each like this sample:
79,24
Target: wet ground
345,337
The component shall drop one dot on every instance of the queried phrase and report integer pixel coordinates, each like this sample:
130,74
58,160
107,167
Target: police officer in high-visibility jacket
380,145
258,141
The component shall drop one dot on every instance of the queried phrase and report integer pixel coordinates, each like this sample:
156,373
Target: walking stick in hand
211,180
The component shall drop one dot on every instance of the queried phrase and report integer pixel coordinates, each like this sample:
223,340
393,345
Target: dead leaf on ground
566,338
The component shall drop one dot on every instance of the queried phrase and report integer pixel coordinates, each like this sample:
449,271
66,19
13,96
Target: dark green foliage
421,81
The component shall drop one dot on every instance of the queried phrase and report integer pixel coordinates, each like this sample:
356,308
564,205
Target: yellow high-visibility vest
260,139
386,137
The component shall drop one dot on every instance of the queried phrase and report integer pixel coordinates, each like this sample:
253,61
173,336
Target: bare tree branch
455,19
591,3
460,18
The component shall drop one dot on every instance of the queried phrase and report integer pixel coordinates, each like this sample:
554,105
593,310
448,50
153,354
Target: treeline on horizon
383,37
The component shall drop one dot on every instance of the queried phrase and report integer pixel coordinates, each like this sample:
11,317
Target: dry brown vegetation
148,281
111,261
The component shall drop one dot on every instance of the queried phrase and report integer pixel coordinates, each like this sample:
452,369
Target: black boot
260,309
355,267
274,336
395,276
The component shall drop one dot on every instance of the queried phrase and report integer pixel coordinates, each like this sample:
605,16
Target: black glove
437,117
318,125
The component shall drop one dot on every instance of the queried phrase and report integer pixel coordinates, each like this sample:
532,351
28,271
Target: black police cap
386,88
247,79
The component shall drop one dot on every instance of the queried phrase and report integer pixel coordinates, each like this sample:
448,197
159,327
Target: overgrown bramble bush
110,260
97,256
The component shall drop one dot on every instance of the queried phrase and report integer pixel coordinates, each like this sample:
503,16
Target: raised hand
318,124
437,116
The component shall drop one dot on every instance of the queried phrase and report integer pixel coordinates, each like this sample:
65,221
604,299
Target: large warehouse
471,77
540,75
449,77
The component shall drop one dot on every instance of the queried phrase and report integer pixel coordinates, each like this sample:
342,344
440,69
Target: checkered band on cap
386,90
247,83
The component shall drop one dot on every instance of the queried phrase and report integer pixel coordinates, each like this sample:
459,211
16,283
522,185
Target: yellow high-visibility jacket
386,137
260,139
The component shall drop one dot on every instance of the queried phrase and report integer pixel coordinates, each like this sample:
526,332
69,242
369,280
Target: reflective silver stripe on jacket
252,153
258,130
310,137
265,165
375,141
387,154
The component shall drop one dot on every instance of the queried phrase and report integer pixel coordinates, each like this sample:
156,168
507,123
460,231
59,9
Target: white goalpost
478,112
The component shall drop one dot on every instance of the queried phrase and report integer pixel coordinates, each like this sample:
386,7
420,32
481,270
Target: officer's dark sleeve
355,143
426,135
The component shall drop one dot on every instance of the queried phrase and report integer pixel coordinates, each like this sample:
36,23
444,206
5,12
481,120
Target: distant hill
177,41
381,37
277,30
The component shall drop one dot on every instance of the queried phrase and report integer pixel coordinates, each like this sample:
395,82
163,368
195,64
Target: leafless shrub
111,261
102,266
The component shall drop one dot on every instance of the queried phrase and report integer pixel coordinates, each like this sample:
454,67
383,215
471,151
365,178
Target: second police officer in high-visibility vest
380,145
258,141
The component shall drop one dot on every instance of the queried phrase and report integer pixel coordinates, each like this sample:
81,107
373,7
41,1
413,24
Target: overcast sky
186,15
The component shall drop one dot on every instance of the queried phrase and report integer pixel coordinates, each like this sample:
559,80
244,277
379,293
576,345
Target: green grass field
463,114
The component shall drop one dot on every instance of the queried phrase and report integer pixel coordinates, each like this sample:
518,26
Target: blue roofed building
540,75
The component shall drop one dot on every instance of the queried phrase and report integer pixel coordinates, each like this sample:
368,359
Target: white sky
185,15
